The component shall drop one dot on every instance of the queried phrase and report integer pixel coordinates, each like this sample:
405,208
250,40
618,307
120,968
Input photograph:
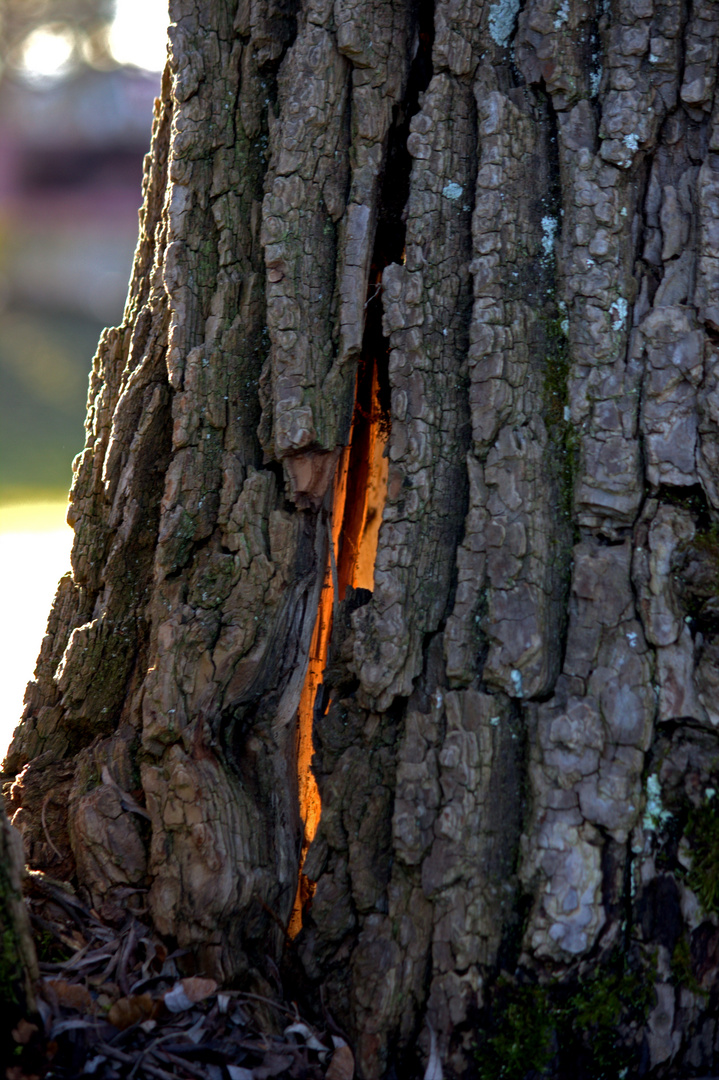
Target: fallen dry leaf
342,1065
24,1032
306,1033
187,992
197,988
237,1072
70,995
434,1065
128,1010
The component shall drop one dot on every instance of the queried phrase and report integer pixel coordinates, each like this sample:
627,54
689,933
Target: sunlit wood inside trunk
353,528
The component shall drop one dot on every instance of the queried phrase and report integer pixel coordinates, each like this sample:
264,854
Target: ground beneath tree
113,1004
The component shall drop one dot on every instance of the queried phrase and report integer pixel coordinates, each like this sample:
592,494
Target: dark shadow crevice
358,495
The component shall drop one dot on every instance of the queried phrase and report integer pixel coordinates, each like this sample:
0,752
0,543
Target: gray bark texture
505,219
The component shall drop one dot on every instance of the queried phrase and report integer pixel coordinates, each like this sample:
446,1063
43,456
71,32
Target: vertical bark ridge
636,351
428,402
371,903
237,574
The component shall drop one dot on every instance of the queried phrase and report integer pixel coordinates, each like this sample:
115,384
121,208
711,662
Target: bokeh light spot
47,52
138,33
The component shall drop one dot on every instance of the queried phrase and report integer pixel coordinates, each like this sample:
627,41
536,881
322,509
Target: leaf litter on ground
113,1004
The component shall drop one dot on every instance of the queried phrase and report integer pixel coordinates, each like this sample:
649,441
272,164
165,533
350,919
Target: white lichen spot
564,326
452,191
567,414
631,141
623,212
562,15
654,814
549,231
494,721
632,638
516,678
595,79
710,793
502,16
618,311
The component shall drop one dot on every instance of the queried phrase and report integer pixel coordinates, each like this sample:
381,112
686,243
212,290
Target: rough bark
18,963
515,740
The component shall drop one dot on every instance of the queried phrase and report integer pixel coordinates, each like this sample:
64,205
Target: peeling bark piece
311,475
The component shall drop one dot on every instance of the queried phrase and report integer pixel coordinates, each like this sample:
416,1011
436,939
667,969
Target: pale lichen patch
502,17
549,231
562,16
452,191
619,311
655,815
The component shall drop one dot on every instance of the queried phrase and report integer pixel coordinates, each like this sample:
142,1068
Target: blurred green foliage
45,359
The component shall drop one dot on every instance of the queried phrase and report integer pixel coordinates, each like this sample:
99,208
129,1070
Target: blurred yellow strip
33,516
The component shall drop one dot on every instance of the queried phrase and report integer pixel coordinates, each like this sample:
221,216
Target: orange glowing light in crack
309,796
365,490
359,492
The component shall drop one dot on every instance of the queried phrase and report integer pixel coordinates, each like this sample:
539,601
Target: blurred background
77,83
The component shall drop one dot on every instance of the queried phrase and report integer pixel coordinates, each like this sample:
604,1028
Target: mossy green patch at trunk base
584,1029
703,837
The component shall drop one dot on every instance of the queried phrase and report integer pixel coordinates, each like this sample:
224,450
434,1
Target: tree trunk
18,963
454,268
